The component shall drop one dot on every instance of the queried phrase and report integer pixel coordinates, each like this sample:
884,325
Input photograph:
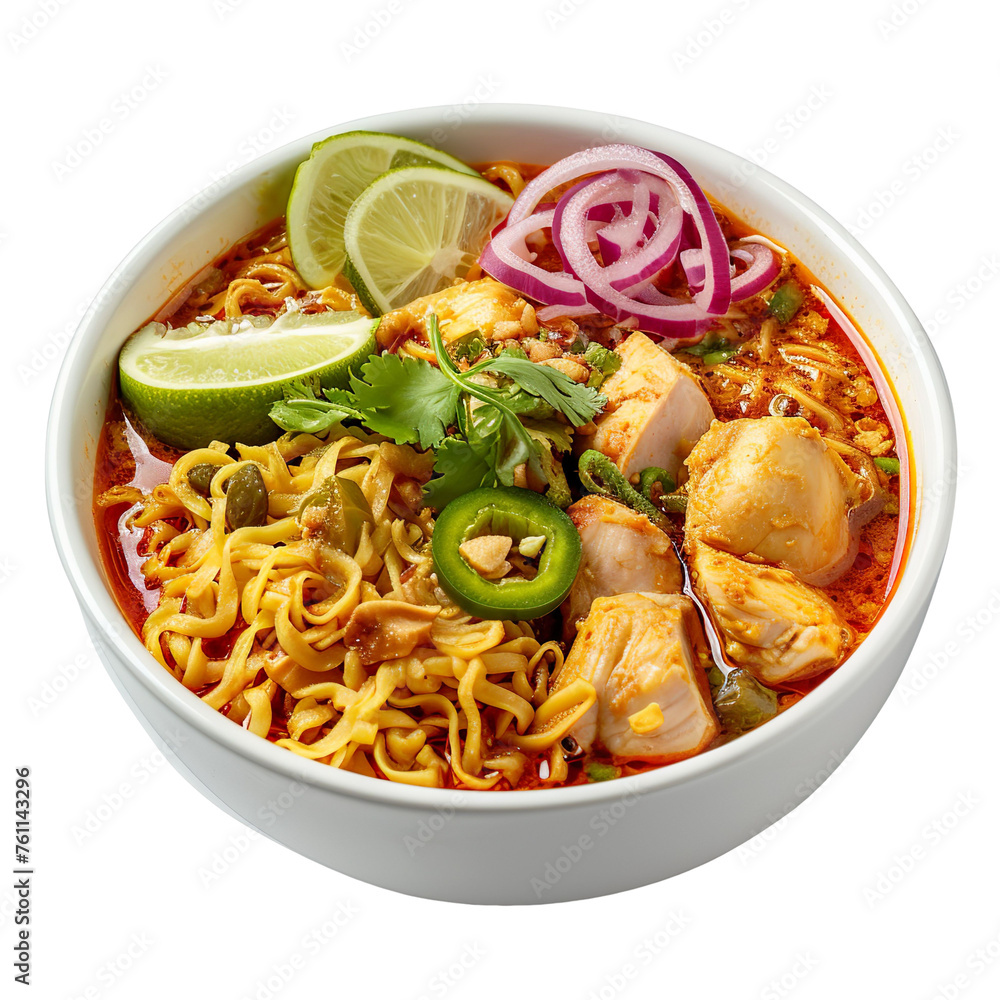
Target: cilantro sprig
475,429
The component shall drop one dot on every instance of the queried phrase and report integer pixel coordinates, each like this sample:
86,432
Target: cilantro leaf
406,399
307,415
460,469
525,405
578,403
344,400
415,402
557,435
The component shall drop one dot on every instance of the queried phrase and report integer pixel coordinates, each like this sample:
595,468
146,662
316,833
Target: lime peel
191,386
337,171
414,230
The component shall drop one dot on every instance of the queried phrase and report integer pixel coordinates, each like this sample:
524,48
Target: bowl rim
913,590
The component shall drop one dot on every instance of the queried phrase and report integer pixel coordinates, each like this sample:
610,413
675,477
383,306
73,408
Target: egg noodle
456,710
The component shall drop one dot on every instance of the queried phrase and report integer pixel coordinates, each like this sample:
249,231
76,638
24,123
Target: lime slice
414,230
325,186
216,381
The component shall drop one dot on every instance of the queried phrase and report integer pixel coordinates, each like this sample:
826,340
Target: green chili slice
520,514
346,511
743,703
668,499
598,474
652,475
786,302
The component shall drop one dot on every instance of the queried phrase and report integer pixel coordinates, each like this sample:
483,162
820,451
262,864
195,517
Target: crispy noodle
260,622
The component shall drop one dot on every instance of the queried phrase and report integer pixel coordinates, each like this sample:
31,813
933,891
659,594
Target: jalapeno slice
518,514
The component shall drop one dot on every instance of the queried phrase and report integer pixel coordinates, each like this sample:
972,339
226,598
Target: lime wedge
216,381
325,186
414,230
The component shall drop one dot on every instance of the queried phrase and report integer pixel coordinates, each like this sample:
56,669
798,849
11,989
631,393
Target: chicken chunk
496,311
771,490
640,652
386,630
771,623
623,552
656,410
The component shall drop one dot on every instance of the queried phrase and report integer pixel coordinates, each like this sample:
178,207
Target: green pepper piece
468,346
786,302
596,771
654,474
712,358
519,513
200,477
712,350
557,491
246,498
347,511
890,466
743,703
598,474
603,361
668,500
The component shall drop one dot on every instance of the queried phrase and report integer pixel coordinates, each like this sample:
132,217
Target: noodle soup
529,517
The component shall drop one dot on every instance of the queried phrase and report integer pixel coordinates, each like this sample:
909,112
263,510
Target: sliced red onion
763,241
763,268
675,318
611,249
632,265
606,213
547,313
659,242
507,258
660,251
641,211
623,231
693,265
714,297
591,225
613,226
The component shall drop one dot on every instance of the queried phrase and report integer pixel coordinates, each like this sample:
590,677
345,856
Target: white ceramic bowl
505,847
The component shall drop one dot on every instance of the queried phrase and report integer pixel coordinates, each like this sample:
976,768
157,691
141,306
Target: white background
885,882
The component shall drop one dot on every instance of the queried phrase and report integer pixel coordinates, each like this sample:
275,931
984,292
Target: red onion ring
507,258
547,313
714,297
632,265
673,318
763,268
643,210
